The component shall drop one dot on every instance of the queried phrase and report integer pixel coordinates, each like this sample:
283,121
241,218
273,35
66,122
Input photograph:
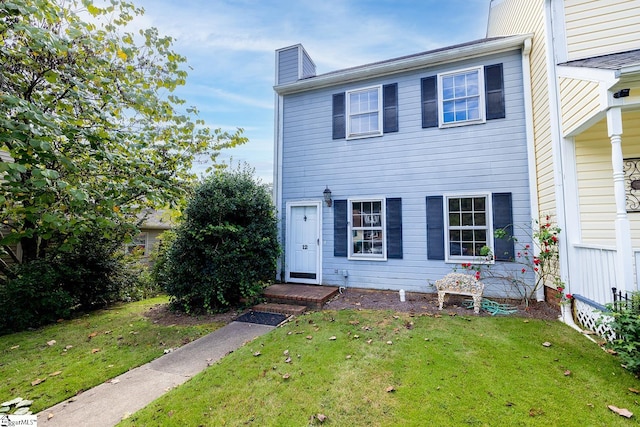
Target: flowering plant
540,261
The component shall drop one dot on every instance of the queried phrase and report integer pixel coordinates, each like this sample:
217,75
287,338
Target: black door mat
261,318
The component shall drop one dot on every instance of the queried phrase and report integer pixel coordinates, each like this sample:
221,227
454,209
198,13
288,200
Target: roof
430,58
156,220
613,61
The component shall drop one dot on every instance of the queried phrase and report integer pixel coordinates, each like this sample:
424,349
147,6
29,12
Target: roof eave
405,64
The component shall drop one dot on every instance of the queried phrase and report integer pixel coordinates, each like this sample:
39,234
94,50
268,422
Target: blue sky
230,46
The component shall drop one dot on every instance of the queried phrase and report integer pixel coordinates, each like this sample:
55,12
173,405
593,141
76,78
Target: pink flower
569,296
535,269
477,275
536,261
555,239
524,270
527,246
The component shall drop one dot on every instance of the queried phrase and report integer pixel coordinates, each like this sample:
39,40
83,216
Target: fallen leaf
509,404
389,342
332,338
621,411
309,337
50,343
38,381
257,353
55,374
354,322
348,356
546,344
633,390
390,389
525,321
286,376
114,381
14,347
611,351
92,335
287,360
437,316
567,373
321,417
369,341
49,416
533,412
356,337
95,350
396,317
286,352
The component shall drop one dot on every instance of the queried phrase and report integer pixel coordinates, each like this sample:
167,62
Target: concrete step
289,309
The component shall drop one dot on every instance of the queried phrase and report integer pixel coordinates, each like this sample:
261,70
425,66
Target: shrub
34,297
226,248
626,326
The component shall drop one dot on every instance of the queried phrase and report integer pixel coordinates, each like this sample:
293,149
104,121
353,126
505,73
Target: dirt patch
163,315
353,298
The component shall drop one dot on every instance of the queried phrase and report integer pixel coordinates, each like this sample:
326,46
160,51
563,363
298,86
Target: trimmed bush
226,248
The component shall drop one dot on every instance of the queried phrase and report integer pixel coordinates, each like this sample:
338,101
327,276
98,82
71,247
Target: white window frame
382,228
133,245
489,229
357,135
481,98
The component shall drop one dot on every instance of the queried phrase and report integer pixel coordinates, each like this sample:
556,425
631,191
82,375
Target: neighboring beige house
154,223
585,104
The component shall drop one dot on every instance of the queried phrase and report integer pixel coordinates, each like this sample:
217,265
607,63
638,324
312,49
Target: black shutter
340,228
494,91
503,219
390,108
394,228
435,228
339,119
429,99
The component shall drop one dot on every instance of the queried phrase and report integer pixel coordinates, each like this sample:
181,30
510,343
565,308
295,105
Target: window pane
480,236
472,84
479,203
454,219
466,204
454,205
480,219
467,249
467,235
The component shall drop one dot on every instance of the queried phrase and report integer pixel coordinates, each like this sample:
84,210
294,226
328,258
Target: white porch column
624,271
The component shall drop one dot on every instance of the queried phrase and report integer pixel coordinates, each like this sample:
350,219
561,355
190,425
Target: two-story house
391,174
585,68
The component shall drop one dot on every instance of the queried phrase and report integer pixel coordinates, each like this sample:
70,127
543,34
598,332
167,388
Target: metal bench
460,284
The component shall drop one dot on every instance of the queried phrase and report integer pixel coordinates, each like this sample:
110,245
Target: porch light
622,93
327,196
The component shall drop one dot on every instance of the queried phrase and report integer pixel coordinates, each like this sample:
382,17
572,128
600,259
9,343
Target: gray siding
412,164
308,67
287,63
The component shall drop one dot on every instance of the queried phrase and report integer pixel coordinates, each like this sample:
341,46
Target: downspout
556,145
531,151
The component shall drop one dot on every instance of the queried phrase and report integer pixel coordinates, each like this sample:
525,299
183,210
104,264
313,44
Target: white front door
303,243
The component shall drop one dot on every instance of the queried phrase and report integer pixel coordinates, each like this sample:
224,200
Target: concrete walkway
106,404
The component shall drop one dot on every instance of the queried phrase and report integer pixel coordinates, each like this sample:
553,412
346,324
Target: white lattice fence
592,316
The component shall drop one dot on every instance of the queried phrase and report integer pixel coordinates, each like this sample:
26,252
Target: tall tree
89,120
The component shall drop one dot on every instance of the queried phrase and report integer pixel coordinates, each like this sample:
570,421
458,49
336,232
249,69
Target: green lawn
87,351
365,368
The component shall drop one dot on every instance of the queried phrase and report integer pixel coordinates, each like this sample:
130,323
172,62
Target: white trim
277,173
305,203
489,218
383,220
349,133
481,98
413,62
553,85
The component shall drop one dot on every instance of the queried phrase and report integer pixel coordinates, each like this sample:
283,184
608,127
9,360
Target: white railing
594,272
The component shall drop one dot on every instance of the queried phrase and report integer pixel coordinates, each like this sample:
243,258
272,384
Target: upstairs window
463,97
363,111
